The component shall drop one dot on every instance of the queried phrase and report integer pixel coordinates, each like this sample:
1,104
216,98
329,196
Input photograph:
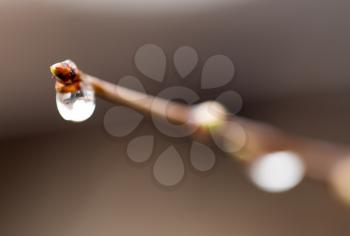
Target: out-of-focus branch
245,139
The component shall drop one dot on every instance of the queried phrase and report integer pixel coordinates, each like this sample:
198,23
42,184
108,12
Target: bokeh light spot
277,172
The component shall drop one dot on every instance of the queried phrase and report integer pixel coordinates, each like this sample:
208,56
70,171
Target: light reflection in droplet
78,106
277,172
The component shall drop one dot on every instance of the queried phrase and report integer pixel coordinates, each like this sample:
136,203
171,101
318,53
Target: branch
245,140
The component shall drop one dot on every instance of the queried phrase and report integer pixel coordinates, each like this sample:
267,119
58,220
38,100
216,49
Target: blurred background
58,178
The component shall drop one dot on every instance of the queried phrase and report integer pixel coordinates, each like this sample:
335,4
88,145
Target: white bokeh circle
277,172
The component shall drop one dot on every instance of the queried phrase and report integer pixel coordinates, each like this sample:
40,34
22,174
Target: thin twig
320,158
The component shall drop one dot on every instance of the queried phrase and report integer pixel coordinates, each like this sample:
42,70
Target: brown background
58,178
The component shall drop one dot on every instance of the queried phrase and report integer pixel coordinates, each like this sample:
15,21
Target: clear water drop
76,106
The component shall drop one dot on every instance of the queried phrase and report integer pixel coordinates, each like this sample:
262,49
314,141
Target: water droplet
140,149
217,71
185,60
277,172
150,60
202,157
169,169
78,106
